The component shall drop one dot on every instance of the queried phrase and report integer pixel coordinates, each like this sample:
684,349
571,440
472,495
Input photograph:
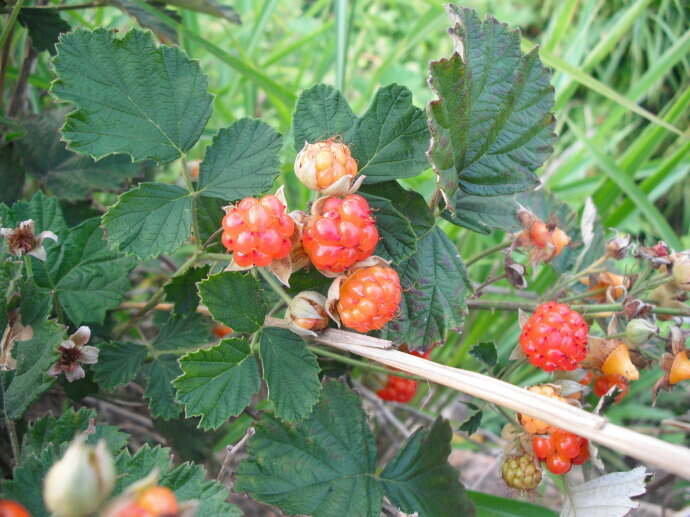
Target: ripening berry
158,501
257,231
12,509
220,331
400,389
534,425
306,313
558,464
555,337
340,234
542,446
521,472
327,167
605,382
369,298
566,444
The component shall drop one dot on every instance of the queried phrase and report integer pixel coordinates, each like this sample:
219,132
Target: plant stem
29,267
218,257
190,186
11,429
271,281
487,252
10,22
361,364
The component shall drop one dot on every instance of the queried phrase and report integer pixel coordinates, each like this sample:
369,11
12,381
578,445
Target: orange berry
534,425
369,298
158,501
321,165
221,331
12,509
605,382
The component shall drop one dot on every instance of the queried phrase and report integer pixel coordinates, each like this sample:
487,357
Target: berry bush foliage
200,292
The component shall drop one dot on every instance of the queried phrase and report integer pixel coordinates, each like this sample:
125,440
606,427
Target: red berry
583,455
605,382
342,233
567,445
369,298
12,509
221,331
543,448
557,464
257,231
555,337
131,509
159,501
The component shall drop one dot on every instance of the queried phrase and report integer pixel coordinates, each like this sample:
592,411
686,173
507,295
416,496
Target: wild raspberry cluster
521,472
555,337
560,450
336,237
400,389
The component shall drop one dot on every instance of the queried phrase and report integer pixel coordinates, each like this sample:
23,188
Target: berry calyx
680,368
220,331
369,298
605,382
340,233
257,231
521,472
558,464
327,167
534,425
306,313
618,362
12,509
555,337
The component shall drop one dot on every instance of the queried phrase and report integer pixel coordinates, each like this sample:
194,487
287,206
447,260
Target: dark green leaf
491,125
165,33
210,214
35,303
181,290
291,372
411,204
153,107
472,423
44,25
390,140
398,239
118,363
188,481
234,299
419,478
242,161
434,286
44,211
69,175
12,174
322,466
218,382
133,467
211,7
489,505
26,485
181,334
34,357
88,278
60,431
486,353
321,112
483,214
159,391
150,219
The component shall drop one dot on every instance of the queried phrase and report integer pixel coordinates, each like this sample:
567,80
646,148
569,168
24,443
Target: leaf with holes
131,96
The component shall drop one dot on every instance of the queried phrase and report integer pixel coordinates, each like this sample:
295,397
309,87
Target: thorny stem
361,364
488,252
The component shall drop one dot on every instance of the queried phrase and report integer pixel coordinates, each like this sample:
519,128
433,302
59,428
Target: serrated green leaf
434,284
398,240
291,372
67,174
44,211
419,478
182,334
181,290
234,299
389,141
413,205
150,219
153,107
12,174
133,467
118,363
165,33
322,466
35,303
242,161
88,278
491,125
159,390
34,357
321,112
483,213
26,485
48,431
188,481
209,212
218,382
44,26
486,353
472,423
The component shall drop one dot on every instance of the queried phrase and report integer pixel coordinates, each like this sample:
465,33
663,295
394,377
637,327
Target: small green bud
638,331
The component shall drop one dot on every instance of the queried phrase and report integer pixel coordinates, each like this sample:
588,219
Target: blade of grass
341,7
627,185
559,25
